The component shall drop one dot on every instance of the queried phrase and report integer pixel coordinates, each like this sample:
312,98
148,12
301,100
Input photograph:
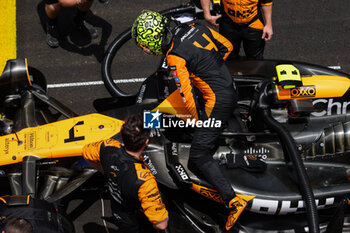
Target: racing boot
235,208
52,33
82,25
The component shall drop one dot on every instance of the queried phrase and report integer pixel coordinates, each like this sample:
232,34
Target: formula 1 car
300,132
299,128
40,160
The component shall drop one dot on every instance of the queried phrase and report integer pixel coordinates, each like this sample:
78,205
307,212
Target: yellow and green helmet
148,31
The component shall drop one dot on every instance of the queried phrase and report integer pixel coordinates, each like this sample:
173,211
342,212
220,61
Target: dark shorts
49,2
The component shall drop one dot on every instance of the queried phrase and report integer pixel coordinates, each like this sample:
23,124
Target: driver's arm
181,75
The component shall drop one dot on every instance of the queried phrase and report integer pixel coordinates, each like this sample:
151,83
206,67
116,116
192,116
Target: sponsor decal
240,14
147,160
143,175
174,149
117,216
156,194
303,91
165,64
178,83
273,207
141,93
330,107
30,140
187,34
160,208
210,193
181,171
114,191
6,146
114,168
174,73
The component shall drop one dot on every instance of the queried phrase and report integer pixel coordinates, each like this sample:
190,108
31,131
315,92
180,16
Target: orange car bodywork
64,138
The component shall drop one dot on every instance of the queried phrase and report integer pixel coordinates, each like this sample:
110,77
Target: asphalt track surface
314,31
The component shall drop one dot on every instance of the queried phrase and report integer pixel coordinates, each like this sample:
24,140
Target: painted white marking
94,83
131,80
335,67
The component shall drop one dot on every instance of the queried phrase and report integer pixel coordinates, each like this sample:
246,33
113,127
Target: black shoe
235,207
52,36
85,26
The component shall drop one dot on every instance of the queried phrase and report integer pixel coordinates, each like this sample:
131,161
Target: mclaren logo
302,92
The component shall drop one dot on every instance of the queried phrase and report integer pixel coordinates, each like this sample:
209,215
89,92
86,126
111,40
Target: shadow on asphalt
94,227
79,41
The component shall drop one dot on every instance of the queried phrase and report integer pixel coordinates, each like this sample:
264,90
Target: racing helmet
150,31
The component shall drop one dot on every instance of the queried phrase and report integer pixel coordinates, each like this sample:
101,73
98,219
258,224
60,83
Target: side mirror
15,77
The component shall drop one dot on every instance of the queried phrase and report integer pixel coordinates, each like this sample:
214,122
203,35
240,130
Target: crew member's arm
182,78
152,204
91,152
211,19
225,47
72,3
267,11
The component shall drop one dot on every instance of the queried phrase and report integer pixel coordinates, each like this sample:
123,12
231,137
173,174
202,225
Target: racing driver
195,55
131,184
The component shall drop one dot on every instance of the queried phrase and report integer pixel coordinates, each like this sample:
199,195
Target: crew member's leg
233,34
79,19
52,10
253,44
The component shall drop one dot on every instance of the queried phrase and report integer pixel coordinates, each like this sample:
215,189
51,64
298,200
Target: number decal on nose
72,137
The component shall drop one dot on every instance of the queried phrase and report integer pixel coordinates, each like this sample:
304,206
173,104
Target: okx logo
151,119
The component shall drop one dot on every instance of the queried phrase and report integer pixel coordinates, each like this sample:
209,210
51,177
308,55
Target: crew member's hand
212,19
267,33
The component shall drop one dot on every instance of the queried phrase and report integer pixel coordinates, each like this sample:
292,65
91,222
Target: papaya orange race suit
242,21
196,56
131,185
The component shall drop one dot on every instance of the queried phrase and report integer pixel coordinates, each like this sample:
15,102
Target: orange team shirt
243,11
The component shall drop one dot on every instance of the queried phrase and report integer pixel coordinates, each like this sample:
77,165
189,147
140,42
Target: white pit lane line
94,83
131,80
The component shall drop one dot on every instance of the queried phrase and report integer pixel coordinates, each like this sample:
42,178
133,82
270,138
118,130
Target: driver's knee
196,160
